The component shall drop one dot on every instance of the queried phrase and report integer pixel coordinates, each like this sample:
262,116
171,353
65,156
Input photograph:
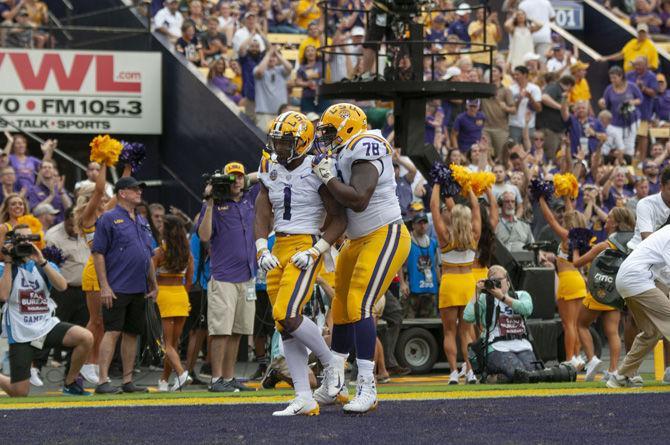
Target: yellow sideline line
447,395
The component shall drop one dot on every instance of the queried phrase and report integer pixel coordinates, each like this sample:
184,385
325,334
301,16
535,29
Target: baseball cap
421,216
579,65
557,204
44,209
557,47
642,27
357,31
249,14
233,167
474,102
439,18
127,182
463,9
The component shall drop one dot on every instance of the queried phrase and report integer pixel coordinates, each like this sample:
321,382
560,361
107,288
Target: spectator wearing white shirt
168,20
251,29
270,77
527,97
542,12
560,60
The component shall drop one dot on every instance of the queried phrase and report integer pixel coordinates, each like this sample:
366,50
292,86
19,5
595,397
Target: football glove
324,167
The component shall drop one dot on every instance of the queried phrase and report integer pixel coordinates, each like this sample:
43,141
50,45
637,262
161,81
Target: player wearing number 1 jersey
293,201
378,241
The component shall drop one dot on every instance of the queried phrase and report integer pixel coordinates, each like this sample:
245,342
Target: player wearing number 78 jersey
294,202
378,241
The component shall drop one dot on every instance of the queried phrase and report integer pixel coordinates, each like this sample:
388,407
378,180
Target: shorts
289,287
591,303
571,285
197,319
127,314
376,32
456,289
173,301
229,311
264,326
364,271
21,354
89,277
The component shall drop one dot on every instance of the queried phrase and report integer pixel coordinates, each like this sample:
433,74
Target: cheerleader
174,268
486,246
619,225
14,207
571,284
458,232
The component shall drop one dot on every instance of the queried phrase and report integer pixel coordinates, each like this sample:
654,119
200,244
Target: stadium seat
286,39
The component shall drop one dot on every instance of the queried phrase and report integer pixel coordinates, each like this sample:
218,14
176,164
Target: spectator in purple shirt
217,78
460,26
122,256
650,170
662,100
644,13
468,126
646,81
438,29
664,15
622,99
229,227
26,166
50,189
249,58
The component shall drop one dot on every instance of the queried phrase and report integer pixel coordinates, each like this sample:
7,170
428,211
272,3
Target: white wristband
261,244
322,246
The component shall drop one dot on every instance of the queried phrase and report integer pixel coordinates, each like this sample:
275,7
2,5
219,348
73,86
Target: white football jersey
294,196
384,207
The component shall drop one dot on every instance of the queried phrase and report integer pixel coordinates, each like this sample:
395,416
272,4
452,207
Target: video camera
19,246
220,183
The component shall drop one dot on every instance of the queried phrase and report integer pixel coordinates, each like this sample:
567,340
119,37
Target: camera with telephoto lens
19,246
220,183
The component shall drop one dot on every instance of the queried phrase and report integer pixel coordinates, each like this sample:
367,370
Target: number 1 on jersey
287,203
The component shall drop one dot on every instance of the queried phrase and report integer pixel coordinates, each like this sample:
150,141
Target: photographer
227,221
622,99
509,351
29,320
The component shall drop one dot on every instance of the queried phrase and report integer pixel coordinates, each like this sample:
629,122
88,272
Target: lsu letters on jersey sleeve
294,196
384,207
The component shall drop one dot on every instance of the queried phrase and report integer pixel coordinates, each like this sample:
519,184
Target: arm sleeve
523,305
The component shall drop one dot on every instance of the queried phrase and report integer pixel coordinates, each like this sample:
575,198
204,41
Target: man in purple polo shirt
468,126
648,85
231,292
49,189
122,256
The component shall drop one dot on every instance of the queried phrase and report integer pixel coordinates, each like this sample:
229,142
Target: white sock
309,334
296,359
366,368
214,379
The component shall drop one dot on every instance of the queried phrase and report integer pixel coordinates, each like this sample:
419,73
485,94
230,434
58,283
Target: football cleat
322,397
299,407
333,377
365,399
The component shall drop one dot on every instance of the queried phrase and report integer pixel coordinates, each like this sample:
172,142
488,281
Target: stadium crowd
541,123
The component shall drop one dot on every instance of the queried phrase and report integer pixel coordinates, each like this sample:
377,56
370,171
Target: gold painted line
446,395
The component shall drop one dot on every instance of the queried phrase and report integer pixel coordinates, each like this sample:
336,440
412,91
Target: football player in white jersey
359,174
295,204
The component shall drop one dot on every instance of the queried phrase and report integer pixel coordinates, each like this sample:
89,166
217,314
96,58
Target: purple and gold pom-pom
442,175
133,153
581,239
54,255
540,187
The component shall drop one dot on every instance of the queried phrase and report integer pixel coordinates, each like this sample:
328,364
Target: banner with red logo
81,91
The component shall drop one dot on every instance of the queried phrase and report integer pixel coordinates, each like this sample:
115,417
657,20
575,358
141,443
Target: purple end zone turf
630,418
